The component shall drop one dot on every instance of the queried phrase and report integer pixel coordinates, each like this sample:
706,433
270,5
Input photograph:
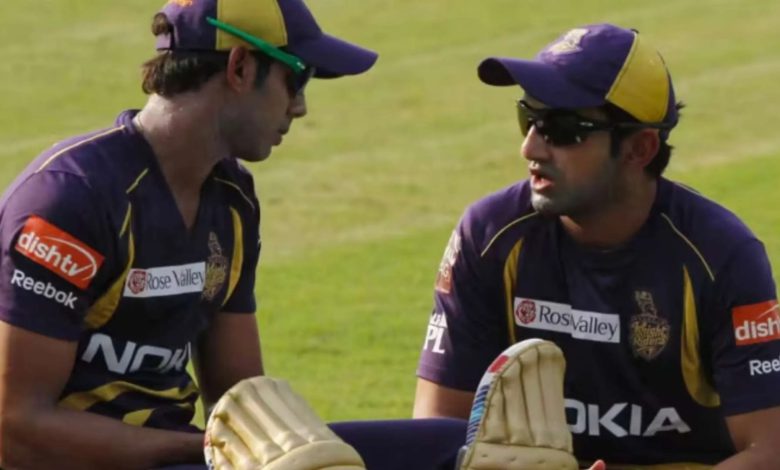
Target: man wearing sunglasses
662,301
129,249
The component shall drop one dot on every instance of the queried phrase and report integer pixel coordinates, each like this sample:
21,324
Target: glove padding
260,423
519,411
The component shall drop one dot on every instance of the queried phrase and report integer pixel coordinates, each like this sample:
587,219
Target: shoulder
710,229
505,215
106,160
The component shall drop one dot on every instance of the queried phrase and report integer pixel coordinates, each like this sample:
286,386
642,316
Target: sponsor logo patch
123,357
756,323
759,367
436,328
165,281
580,324
444,276
59,252
622,419
44,289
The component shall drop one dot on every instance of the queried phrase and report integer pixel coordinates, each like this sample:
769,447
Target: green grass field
361,199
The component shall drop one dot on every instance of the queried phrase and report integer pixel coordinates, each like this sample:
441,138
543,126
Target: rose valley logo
136,281
526,311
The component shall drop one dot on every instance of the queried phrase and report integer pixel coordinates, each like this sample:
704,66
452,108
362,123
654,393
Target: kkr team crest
216,269
648,331
444,276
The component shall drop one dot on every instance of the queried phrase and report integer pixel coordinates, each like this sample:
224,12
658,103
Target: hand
598,465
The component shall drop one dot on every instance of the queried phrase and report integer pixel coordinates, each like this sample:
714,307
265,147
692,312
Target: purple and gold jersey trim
691,245
504,229
237,188
82,401
699,386
510,281
105,306
77,144
238,254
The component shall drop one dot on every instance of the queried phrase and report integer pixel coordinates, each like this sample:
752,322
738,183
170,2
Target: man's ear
639,148
240,71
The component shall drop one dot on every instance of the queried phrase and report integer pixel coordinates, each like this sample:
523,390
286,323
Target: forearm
65,439
752,458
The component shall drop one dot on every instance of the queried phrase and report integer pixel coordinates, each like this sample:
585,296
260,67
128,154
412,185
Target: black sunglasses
297,82
561,127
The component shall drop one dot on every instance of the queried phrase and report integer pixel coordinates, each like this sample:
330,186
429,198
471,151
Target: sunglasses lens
297,82
524,118
562,129
556,127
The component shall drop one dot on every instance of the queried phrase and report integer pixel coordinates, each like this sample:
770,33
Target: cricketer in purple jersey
130,250
662,301
653,360
151,286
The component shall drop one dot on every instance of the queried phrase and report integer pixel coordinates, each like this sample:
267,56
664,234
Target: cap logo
182,3
569,43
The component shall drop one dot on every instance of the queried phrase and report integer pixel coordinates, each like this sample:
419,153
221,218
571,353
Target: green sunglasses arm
274,52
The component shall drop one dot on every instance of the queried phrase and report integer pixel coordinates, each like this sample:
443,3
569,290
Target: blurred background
360,200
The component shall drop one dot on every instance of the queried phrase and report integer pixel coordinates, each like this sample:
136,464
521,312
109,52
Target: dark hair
659,163
172,72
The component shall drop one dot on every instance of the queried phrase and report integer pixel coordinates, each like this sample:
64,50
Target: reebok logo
759,367
756,323
45,289
580,324
163,281
59,252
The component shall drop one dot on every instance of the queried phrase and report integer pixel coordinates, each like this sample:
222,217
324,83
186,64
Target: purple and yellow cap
589,66
205,25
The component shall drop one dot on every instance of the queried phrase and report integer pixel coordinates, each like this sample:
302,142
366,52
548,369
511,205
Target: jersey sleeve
466,330
746,335
242,298
53,260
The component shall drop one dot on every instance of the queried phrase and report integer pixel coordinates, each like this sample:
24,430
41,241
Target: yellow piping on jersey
81,142
504,229
690,244
126,222
237,188
238,254
137,181
696,382
103,309
108,392
139,417
510,280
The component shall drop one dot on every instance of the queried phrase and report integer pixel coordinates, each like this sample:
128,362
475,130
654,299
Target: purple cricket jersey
663,337
95,251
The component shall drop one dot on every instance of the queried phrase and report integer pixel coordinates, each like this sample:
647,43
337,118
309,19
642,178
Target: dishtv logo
59,252
756,323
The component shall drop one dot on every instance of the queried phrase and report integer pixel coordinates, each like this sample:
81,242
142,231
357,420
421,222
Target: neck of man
615,223
183,132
